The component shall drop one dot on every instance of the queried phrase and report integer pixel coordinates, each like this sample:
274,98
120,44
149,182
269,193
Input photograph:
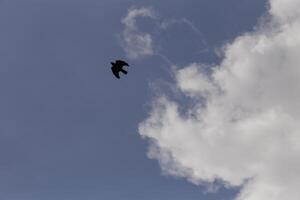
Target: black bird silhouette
118,67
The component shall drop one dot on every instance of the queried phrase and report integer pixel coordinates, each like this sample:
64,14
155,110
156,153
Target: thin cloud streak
170,22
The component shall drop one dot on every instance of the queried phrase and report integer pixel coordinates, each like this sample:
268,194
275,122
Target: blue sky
69,129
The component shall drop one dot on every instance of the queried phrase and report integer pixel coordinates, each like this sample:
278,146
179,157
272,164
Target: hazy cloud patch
137,44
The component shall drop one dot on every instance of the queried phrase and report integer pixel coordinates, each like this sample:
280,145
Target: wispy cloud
244,128
165,24
137,43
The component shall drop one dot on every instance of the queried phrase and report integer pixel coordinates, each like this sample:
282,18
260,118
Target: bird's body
118,67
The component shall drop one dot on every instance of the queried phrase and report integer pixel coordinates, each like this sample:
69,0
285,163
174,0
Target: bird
118,67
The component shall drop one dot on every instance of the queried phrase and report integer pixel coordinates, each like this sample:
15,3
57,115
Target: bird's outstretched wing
115,72
121,63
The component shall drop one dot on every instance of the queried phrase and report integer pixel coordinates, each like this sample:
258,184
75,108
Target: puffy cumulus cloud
137,43
244,129
194,81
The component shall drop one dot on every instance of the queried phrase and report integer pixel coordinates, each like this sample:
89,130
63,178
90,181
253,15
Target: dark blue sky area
68,128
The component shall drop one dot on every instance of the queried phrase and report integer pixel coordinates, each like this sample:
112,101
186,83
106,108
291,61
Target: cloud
244,127
170,22
285,11
137,43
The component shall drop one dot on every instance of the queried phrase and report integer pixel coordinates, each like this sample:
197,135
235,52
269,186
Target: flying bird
118,67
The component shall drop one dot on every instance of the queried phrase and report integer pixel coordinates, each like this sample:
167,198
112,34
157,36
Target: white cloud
137,43
245,128
285,10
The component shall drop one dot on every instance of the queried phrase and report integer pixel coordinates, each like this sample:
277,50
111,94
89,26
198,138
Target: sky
209,109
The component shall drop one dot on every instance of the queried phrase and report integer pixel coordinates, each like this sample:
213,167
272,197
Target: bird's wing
115,72
122,63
